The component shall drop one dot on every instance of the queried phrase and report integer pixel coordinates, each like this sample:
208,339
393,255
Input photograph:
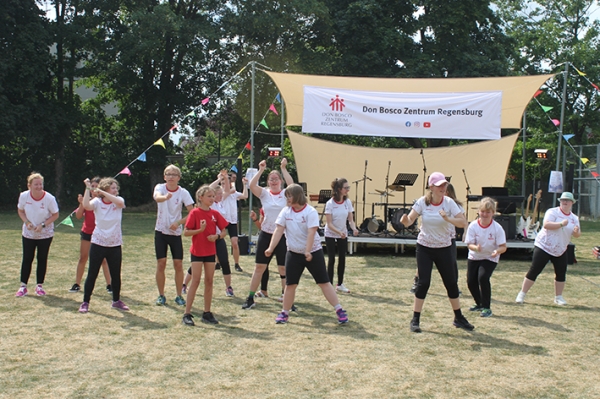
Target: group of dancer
288,231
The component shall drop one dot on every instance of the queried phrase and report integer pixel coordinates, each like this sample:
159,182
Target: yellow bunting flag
585,160
161,143
579,72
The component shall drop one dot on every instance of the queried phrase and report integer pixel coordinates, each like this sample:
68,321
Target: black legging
222,256
541,259
442,257
113,256
478,281
29,247
342,246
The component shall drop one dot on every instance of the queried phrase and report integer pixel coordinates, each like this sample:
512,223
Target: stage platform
400,241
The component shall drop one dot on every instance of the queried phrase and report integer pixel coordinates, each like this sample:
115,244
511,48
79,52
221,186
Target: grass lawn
537,350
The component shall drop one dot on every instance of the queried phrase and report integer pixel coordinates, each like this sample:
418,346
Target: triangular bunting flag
546,108
278,98
595,174
240,156
234,169
568,136
579,72
584,160
173,128
205,101
537,93
161,143
248,146
125,171
595,87
142,157
67,221
193,113
556,122
264,123
272,108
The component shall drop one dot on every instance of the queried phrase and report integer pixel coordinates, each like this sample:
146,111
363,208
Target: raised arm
286,175
254,187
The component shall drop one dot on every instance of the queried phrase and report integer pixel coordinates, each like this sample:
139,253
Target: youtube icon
426,124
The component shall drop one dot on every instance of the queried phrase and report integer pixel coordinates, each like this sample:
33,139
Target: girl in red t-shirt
89,222
201,225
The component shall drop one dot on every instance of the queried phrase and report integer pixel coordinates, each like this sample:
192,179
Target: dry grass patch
531,351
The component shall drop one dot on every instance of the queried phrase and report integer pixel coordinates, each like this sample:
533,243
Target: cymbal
380,192
396,187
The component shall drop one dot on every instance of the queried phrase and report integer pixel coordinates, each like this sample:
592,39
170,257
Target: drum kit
376,226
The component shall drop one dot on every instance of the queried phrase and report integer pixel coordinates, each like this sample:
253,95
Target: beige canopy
517,91
319,162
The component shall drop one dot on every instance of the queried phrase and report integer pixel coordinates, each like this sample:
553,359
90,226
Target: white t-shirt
435,231
489,238
169,211
339,214
218,206
107,232
296,224
230,207
555,242
272,204
37,211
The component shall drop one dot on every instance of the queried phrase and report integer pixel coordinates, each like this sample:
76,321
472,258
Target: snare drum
375,225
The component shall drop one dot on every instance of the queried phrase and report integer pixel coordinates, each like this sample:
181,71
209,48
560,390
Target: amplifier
509,224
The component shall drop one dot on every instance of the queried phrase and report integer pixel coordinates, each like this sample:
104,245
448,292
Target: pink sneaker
21,292
39,290
119,305
84,308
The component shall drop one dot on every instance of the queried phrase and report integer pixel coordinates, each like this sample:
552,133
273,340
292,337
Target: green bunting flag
67,221
546,108
264,123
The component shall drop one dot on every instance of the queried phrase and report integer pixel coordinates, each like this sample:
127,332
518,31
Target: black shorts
204,259
264,239
85,236
296,263
162,241
232,230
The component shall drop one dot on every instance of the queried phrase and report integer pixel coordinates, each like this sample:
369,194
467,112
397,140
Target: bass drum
375,225
399,227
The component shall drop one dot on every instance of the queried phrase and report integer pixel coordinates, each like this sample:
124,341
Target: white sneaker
342,288
559,300
520,297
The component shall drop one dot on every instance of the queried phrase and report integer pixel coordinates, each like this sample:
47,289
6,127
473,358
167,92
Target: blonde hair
172,168
33,176
105,184
296,193
201,192
487,204
276,172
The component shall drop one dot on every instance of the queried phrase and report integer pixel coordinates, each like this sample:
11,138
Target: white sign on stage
470,115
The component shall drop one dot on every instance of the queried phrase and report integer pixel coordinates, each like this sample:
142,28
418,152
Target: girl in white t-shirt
38,210
300,222
486,240
560,224
106,239
434,246
338,211
273,201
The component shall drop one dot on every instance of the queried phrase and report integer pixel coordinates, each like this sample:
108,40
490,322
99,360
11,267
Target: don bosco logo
337,103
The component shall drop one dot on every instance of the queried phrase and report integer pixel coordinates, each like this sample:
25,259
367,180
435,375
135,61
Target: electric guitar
534,226
525,219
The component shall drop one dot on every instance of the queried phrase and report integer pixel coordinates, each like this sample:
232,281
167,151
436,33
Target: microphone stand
468,192
424,171
365,177
387,200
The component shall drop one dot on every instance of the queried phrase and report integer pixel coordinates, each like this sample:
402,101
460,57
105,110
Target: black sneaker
413,289
207,317
414,326
188,319
461,322
249,303
238,268
294,308
109,289
75,288
217,266
475,308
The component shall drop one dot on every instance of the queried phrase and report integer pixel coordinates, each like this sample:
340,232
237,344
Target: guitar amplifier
509,224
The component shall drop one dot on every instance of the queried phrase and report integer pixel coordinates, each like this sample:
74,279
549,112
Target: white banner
472,115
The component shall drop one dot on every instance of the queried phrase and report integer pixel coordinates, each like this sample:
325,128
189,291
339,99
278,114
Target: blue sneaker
342,316
178,300
161,300
486,312
282,318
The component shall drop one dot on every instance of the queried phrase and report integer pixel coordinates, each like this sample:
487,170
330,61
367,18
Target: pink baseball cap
437,179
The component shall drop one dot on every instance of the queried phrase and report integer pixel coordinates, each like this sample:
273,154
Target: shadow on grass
378,299
533,322
130,318
482,341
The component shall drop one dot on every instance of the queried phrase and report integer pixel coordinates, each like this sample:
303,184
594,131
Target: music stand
405,179
324,196
303,185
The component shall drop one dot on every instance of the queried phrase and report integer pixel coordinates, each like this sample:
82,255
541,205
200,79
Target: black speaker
509,224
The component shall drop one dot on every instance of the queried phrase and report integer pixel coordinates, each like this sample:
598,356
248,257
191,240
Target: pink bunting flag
173,127
556,122
272,108
125,171
537,93
205,101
